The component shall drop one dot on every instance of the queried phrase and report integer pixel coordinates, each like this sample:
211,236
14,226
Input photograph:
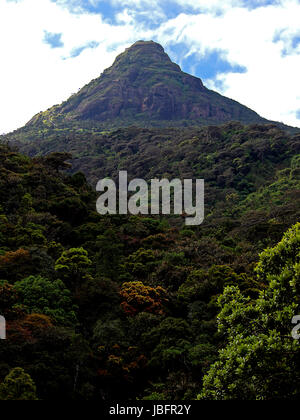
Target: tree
110,253
51,298
57,161
141,263
261,359
203,286
26,204
15,264
17,386
136,297
73,266
8,298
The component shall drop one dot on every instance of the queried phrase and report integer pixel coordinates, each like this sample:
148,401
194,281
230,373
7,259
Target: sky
248,50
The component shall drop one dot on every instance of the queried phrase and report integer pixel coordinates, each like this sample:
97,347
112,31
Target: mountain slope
144,87
133,299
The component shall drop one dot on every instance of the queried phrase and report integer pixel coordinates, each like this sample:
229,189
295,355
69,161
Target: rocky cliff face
145,87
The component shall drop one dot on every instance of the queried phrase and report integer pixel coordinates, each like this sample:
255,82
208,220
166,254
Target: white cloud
34,77
271,84
210,5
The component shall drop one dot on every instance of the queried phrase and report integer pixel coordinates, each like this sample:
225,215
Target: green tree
109,254
26,204
51,298
170,342
73,267
261,359
18,385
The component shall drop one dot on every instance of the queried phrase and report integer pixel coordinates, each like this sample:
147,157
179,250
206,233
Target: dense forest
132,307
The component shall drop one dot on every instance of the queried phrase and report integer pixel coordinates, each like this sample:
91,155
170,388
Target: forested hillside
126,307
227,156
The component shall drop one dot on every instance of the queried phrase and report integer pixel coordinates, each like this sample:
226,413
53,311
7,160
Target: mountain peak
146,44
143,54
144,87
146,47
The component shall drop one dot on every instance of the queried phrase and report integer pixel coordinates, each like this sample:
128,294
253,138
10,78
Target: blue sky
248,50
54,40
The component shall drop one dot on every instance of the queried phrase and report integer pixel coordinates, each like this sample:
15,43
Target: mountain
144,87
130,305
169,109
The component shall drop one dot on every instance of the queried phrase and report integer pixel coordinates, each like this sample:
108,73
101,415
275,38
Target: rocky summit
144,87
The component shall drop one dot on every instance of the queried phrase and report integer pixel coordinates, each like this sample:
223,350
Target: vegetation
261,360
17,386
135,307
126,307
